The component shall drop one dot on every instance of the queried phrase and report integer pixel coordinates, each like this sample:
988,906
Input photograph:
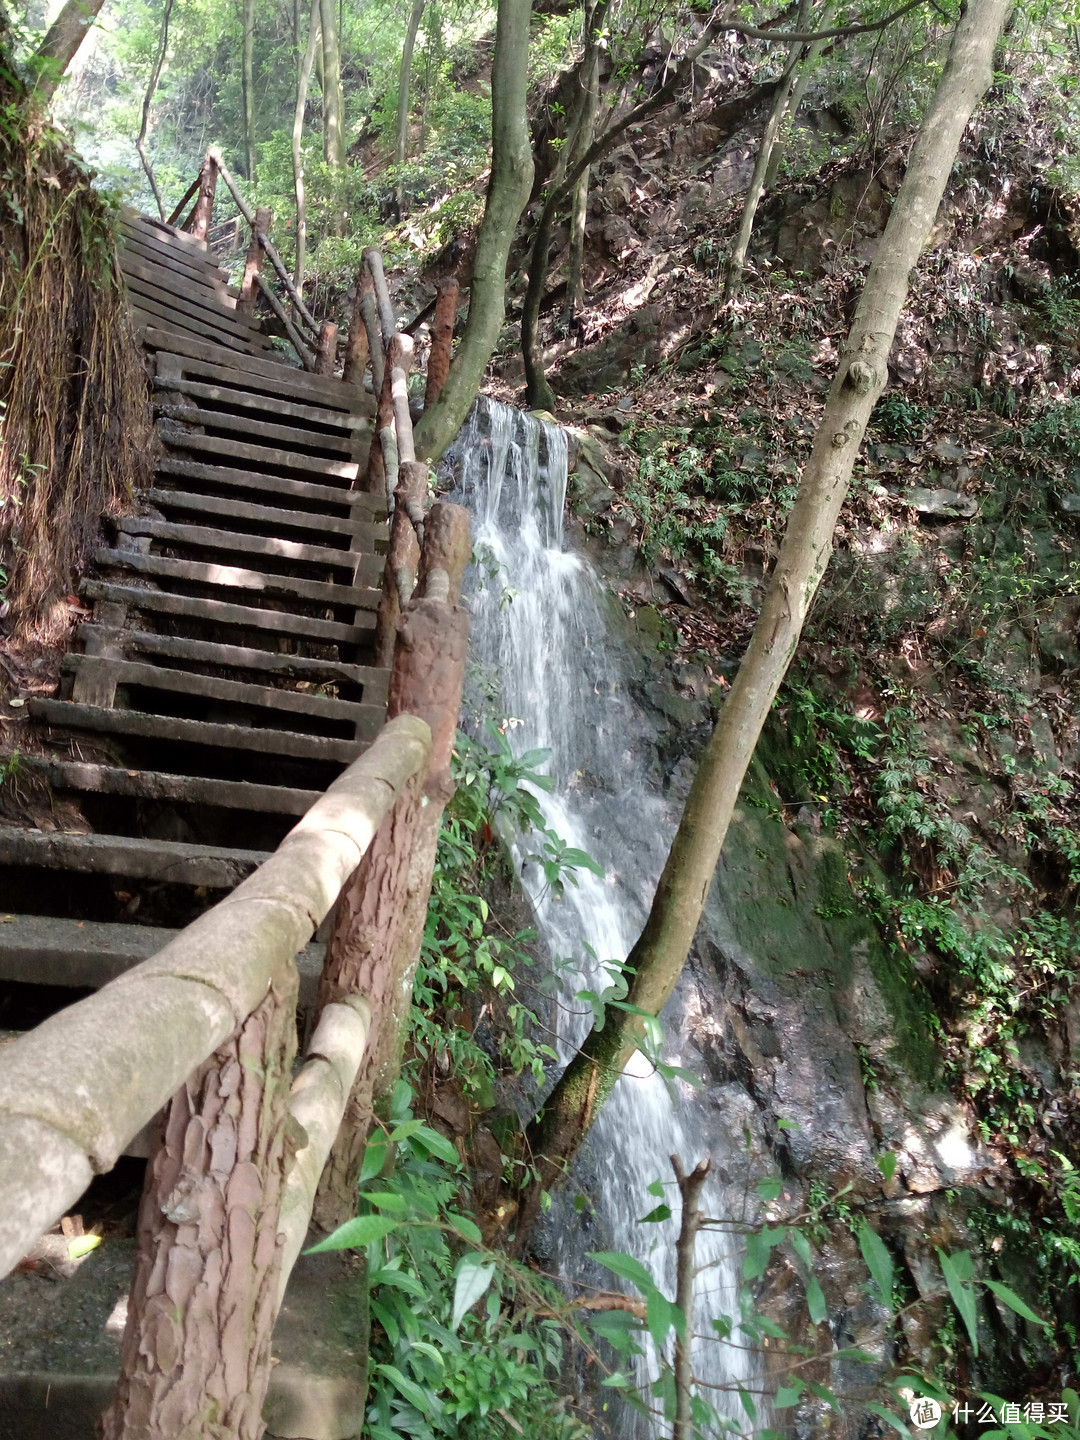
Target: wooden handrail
78,1088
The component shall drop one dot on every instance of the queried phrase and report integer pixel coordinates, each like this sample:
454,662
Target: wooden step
289,435
238,542
147,310
67,715
345,470
233,578
86,778
372,507
337,420
103,640
199,261
219,612
170,861
176,280
351,406
301,383
46,950
170,234
368,718
371,535
135,247
207,311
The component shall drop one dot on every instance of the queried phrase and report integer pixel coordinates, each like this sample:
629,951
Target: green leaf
617,1327
746,1400
661,1315
466,1228
374,1158
788,1395
656,1188
626,1267
661,1212
388,1200
436,1144
887,1415
878,1261
963,1295
425,1400
801,1245
399,1280
785,1124
815,1301
1012,1300
887,1166
355,1234
472,1279
618,1380
426,1348
770,1188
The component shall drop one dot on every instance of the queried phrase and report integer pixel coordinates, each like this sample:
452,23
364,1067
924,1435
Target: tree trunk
508,191
657,958
806,74
442,339
249,286
690,1188
333,110
379,922
62,40
784,92
302,83
247,73
151,86
195,1357
401,144
590,80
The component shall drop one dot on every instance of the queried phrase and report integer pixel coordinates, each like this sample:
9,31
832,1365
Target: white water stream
549,651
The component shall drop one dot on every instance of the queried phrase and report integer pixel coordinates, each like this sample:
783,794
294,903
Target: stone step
84,777
104,720
170,861
220,612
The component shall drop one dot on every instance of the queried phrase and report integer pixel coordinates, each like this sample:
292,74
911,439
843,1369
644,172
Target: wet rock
948,503
1068,504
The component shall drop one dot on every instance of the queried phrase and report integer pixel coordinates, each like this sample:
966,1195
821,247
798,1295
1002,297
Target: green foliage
900,419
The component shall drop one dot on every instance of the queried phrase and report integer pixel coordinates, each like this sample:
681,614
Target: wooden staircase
226,676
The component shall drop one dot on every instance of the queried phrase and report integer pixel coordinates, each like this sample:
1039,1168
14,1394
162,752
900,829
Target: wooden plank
159,270
201,262
341,421
185,296
368,718
329,392
215,281
168,234
231,333
171,861
232,578
81,776
290,435
374,679
259,454
148,314
371,535
62,714
237,542
220,612
352,501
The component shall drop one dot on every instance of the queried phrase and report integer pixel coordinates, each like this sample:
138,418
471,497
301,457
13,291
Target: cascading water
548,645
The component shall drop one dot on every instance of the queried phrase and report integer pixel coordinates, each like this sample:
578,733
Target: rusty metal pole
204,205
326,353
249,289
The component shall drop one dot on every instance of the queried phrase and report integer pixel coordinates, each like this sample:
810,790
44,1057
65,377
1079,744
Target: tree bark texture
195,1359
334,147
442,339
402,557
248,86
356,350
61,43
326,351
657,959
586,128
380,917
204,205
690,1188
784,91
249,286
401,139
805,75
151,86
303,82
508,192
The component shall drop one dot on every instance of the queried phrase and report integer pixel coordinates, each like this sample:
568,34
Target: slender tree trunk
303,81
805,75
690,1188
657,959
508,191
590,104
151,86
333,110
247,71
62,40
401,144
784,92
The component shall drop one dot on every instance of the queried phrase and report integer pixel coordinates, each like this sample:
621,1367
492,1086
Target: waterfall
541,632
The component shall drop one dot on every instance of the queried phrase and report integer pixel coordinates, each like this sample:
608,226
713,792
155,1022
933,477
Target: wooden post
442,339
204,205
402,557
204,1296
249,288
356,351
326,351
379,923
398,355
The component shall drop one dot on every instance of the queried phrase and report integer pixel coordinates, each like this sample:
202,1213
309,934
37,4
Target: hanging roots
75,433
